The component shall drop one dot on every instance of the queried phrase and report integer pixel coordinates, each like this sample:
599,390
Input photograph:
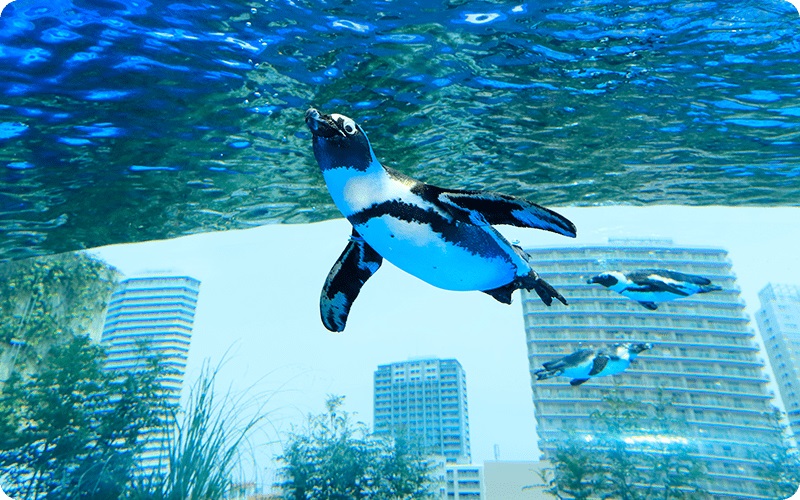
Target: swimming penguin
648,286
442,236
584,364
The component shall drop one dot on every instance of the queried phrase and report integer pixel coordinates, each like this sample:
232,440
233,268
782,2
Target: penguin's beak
321,125
591,280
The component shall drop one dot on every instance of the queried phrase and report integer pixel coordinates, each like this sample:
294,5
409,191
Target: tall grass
205,447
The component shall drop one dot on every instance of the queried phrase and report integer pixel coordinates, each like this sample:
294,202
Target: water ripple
137,120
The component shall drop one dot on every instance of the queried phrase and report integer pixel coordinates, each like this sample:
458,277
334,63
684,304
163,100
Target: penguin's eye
346,124
349,127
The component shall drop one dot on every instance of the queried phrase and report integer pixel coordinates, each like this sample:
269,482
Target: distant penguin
584,364
442,236
649,286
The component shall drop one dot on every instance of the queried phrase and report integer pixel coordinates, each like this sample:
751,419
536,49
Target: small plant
334,458
203,449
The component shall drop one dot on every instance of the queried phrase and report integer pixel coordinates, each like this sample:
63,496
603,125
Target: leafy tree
779,462
636,451
47,300
71,430
667,455
576,474
335,459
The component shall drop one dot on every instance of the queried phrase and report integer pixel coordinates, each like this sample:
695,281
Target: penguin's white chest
579,371
353,191
650,296
615,366
409,232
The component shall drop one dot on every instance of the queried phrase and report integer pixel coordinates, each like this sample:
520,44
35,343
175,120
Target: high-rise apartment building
779,323
425,401
152,316
704,357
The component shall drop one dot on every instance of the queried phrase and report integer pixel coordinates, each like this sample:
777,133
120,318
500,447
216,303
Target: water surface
130,120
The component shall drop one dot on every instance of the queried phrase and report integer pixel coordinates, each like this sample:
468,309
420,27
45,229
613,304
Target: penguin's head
338,141
608,279
637,348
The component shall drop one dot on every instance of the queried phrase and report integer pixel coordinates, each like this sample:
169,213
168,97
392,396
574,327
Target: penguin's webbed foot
542,288
533,282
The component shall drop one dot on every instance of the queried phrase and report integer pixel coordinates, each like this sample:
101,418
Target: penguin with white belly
648,287
585,364
442,236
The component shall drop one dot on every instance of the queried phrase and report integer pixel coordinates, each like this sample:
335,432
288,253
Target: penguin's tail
709,288
542,288
544,373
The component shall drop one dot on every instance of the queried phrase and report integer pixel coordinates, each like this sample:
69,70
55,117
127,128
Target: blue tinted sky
259,303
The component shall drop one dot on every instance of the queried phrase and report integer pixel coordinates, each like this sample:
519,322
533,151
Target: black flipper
352,269
572,359
660,280
673,275
498,208
599,363
577,381
648,305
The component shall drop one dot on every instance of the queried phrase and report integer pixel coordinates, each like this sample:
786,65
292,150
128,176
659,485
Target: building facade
455,481
506,480
146,317
703,359
464,482
425,402
778,322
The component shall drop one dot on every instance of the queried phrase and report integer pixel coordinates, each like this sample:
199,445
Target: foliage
68,428
44,300
72,429
204,447
334,459
779,462
576,472
636,451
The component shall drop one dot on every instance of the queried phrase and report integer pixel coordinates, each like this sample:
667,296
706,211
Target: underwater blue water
127,120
